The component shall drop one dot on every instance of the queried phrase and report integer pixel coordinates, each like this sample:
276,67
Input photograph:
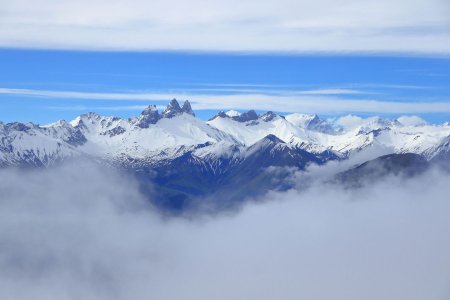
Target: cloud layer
85,232
218,25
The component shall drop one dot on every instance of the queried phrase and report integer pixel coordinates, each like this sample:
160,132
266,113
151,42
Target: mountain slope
405,165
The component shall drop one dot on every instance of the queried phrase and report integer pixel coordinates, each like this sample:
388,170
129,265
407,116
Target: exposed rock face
186,108
268,116
150,115
245,117
174,109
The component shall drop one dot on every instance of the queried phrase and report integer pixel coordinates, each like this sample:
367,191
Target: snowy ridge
152,137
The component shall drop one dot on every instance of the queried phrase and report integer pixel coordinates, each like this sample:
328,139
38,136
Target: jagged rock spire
187,108
150,114
174,105
174,109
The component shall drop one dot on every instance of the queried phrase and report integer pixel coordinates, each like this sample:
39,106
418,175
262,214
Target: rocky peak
149,110
19,126
187,108
221,114
272,139
247,116
149,115
174,109
268,116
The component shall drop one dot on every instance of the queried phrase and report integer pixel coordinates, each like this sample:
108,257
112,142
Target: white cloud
81,232
232,25
331,92
411,120
321,101
350,121
100,108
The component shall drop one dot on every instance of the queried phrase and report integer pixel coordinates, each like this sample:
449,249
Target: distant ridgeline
181,160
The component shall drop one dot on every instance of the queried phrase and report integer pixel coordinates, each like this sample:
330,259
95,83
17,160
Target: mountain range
178,158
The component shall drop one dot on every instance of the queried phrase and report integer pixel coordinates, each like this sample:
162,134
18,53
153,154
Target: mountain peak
269,146
269,141
174,104
232,113
149,115
273,139
268,116
174,109
311,122
19,126
247,116
59,123
149,110
187,108
220,114
90,115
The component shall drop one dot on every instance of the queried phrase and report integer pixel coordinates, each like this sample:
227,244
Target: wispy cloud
101,108
83,95
277,91
231,25
392,86
331,92
318,101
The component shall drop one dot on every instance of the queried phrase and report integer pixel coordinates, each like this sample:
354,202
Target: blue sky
45,85
59,59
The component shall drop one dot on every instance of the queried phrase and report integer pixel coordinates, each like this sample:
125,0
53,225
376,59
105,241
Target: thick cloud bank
232,25
86,233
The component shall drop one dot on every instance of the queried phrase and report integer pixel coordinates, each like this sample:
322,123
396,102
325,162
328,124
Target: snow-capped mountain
175,145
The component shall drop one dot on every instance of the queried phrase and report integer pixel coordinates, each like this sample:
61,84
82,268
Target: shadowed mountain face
404,165
262,167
